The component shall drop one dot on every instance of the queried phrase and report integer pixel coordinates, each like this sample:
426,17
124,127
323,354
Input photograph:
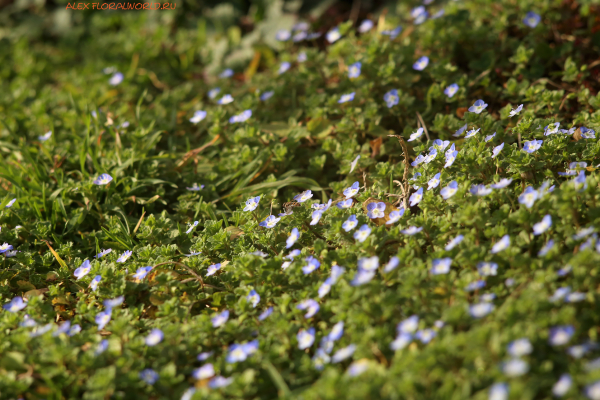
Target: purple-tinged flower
302,197
195,187
83,270
460,131
253,298
416,197
95,282
501,184
103,253
198,116
217,382
451,90
515,367
402,340
283,67
103,318
5,247
212,93
490,137
350,223
441,266
502,244
354,70
343,353
480,310
116,79
311,265
103,179
520,347
333,35
239,352
393,33
421,63
220,319
241,117
418,160
515,111
142,272
227,73
487,268
369,263
10,203
283,35
471,287
344,204
212,269
358,367
497,150
376,210
584,233
562,386
441,145
528,197
579,181
45,136
395,216
547,247
454,242
478,107
294,235
419,14
149,376
560,335
310,305
301,57
346,98
270,222
267,95
265,314
362,233
352,190
530,146
15,305
551,129
252,203
125,256
411,230
204,372
391,98
472,133
587,133
365,26
480,190
434,182
532,19
226,99
543,225
191,226
102,347
409,325
415,135
305,338
361,277
425,335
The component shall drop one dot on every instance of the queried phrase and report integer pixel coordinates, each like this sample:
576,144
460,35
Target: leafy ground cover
404,206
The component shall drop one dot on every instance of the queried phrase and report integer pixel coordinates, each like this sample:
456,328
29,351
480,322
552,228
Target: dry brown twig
404,184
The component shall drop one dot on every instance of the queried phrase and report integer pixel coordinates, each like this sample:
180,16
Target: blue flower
487,268
15,305
579,181
283,35
198,116
103,253
204,372
361,277
217,382
5,247
419,14
310,305
478,107
438,143
376,210
560,335
265,314
365,26
212,269
402,340
239,352
316,216
587,133
472,133
253,298
195,187
454,242
293,253
497,150
312,264
362,233
481,310
532,19
528,197
501,184
547,247
227,73
212,93
149,376
112,303
300,36
530,146
451,90
241,117
393,34
191,226
490,137
102,347
125,256
416,135
498,391
302,197
416,197
333,35
411,230
480,190
116,79
45,136
95,282
354,70
283,67
434,182
346,97
352,190
418,160
267,95
441,266
543,225
294,235
450,157
103,179
358,367
409,325
471,287
460,131
83,270
562,386
515,111
343,353
252,203
142,272
270,221
421,63
301,57
425,335
344,204
551,129
305,338
10,203
391,98
350,223
520,347
502,244
394,216
225,99
392,264
220,319
584,233
102,318
322,207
